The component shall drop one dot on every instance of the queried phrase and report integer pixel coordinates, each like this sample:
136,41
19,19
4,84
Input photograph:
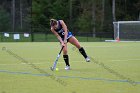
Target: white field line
129,41
37,63
127,60
108,46
64,62
98,46
71,46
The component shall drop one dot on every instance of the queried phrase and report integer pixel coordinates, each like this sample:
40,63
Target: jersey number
63,33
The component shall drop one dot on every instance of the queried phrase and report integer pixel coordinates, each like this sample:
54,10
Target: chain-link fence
48,37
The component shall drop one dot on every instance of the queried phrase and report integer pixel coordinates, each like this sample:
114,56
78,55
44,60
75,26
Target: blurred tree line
80,15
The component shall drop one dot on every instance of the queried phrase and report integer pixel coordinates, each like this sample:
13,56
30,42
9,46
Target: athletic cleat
67,68
87,59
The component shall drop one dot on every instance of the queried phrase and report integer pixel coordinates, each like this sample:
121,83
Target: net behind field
130,31
127,30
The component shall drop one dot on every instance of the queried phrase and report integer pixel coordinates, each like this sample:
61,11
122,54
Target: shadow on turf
110,70
3,92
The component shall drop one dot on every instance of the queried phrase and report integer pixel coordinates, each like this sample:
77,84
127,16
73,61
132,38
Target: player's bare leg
76,43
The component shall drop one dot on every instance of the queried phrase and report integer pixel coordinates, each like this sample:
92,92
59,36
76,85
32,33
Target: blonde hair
53,22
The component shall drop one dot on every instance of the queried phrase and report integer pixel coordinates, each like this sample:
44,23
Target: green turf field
24,68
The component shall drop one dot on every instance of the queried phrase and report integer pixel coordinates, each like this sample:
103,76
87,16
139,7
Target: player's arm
65,29
58,37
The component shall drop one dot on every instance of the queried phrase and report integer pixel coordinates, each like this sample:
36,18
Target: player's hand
62,44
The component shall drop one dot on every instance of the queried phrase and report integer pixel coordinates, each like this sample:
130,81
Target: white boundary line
64,62
39,63
126,60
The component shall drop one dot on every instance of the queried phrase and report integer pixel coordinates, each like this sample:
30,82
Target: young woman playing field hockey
59,28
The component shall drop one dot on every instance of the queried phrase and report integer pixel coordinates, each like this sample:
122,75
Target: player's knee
78,46
65,51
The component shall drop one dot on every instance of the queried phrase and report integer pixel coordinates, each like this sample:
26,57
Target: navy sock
66,59
82,51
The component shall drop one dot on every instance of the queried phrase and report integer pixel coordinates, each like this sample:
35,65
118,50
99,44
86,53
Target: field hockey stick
55,62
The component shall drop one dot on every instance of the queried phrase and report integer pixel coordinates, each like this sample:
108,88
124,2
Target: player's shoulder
61,21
